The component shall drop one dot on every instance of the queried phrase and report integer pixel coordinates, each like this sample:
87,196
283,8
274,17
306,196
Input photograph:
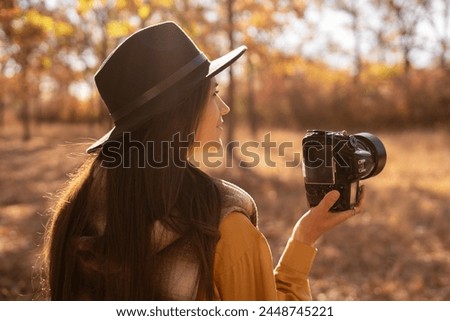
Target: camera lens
377,151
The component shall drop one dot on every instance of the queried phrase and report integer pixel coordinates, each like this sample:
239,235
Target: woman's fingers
320,219
358,209
328,200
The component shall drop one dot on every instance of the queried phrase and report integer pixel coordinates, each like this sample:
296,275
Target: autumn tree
24,31
437,14
354,9
7,13
406,16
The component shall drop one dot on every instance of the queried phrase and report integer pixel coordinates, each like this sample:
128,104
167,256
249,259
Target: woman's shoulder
238,238
237,223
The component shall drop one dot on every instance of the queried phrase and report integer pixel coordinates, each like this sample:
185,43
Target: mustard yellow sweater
244,269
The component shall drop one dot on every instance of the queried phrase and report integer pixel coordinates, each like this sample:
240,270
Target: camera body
335,160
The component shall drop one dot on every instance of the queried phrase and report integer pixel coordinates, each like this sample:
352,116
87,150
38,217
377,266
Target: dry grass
397,250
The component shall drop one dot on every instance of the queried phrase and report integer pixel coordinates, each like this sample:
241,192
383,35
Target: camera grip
349,195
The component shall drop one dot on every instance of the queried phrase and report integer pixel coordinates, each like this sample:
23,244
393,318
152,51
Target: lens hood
376,148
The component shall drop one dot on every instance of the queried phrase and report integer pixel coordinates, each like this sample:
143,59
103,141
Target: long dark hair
115,210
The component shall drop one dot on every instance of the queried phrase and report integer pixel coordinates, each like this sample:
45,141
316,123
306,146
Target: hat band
160,87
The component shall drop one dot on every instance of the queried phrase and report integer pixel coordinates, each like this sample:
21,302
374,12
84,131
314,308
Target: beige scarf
177,270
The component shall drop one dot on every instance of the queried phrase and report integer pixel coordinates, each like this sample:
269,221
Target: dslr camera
335,160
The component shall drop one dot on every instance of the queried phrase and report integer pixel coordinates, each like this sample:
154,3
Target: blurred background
381,66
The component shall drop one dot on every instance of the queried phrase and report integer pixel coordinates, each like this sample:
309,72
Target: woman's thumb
329,199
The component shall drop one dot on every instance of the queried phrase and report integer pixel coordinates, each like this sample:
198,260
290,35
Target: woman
139,222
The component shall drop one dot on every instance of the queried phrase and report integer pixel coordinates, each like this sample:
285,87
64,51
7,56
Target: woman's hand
319,220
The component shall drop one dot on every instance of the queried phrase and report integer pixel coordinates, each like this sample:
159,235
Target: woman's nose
224,109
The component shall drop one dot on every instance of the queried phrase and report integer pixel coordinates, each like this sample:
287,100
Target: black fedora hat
147,65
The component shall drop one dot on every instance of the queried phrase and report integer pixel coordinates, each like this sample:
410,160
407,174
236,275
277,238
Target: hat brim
225,61
216,66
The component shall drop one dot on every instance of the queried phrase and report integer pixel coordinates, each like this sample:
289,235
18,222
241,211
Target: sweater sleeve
243,265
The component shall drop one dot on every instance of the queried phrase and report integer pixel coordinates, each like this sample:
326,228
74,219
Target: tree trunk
231,117
25,118
251,108
25,107
356,35
2,114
